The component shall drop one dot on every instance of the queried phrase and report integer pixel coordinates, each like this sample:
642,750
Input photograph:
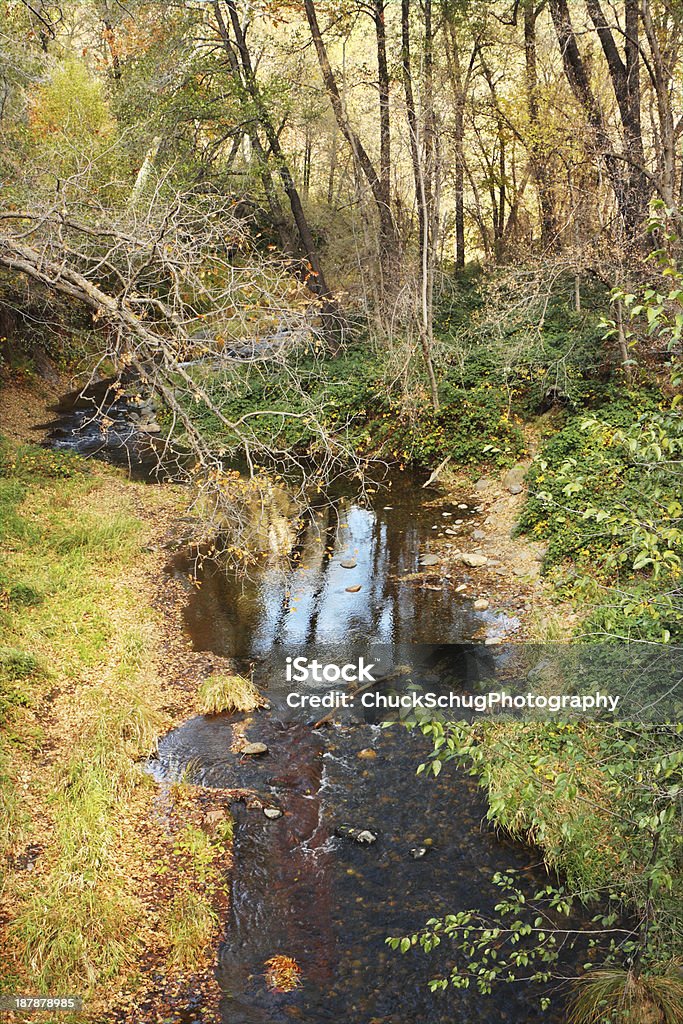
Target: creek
298,889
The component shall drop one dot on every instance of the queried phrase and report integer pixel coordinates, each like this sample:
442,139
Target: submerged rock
358,835
254,749
348,563
367,754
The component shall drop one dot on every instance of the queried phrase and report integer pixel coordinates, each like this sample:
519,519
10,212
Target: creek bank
507,567
141,666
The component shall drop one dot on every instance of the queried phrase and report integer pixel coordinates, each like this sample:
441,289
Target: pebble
254,749
479,535
349,563
429,559
353,590
367,754
480,605
459,589
272,812
418,851
463,506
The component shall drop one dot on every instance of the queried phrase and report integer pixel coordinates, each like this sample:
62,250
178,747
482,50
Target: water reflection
308,601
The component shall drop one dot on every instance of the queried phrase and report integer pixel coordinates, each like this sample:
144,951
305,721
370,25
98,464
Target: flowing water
298,890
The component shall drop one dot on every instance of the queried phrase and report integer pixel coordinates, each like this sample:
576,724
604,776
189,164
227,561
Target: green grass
68,531
191,924
78,655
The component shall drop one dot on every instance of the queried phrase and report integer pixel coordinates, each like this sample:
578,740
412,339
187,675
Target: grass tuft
191,924
228,693
623,997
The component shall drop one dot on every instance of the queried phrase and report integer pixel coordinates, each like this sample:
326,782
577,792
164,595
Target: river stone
450,533
348,563
254,749
459,589
367,754
480,605
446,514
473,560
429,559
353,590
358,835
272,812
463,506
478,535
483,484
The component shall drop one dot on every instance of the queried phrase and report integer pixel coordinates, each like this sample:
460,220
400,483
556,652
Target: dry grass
624,998
222,692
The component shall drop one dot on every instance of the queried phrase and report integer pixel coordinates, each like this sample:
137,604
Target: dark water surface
297,889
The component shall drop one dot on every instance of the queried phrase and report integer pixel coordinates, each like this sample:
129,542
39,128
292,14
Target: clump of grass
17,664
190,923
137,723
23,595
626,998
228,693
77,929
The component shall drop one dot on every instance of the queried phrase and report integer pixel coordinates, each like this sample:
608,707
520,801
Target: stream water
297,889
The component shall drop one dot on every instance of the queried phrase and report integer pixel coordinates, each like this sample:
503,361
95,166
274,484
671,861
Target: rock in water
473,560
272,812
353,590
349,563
358,835
367,754
429,559
254,749
480,605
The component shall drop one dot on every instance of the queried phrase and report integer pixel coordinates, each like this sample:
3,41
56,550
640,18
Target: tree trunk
376,182
425,200
539,165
